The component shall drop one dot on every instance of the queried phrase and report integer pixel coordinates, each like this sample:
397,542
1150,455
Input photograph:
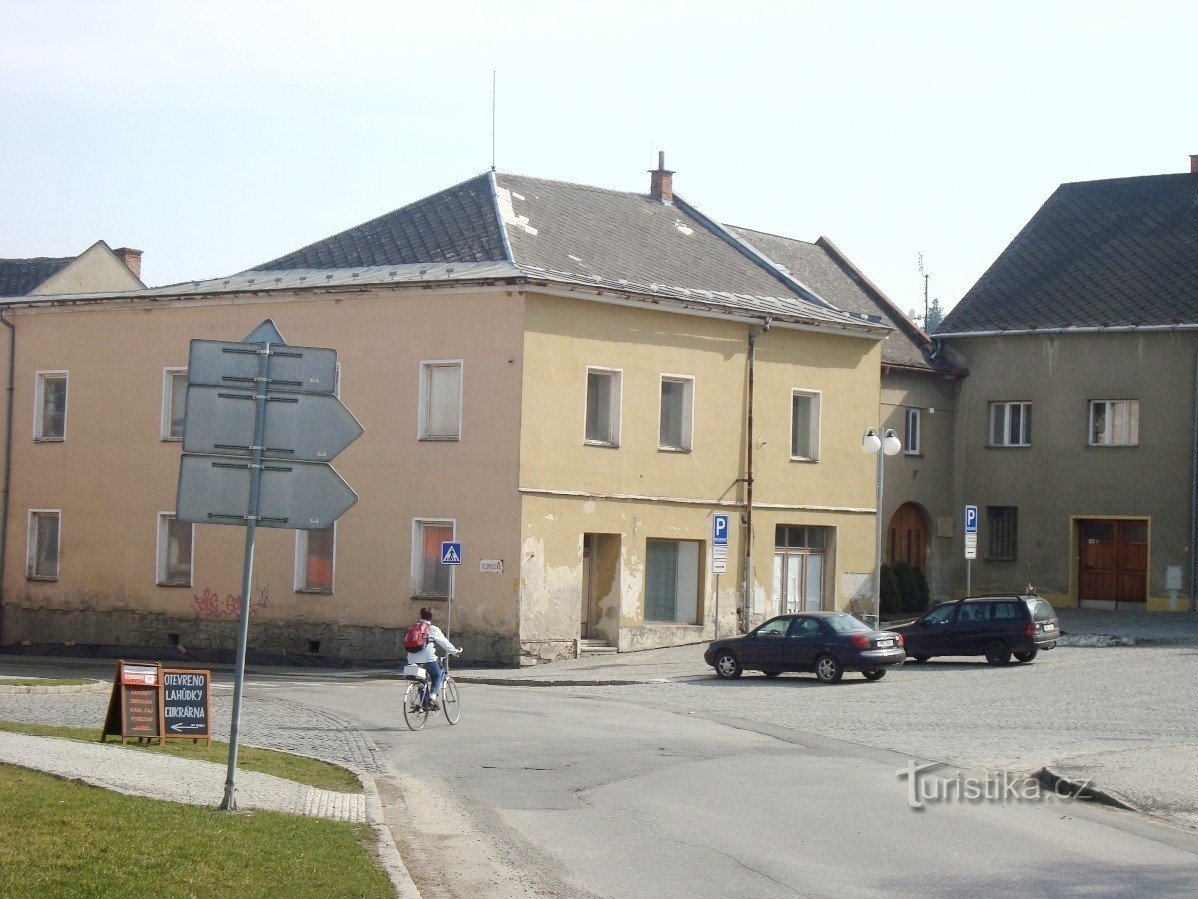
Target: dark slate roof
828,272
1114,253
21,276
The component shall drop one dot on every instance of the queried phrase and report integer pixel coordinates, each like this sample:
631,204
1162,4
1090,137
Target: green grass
45,681
312,772
64,839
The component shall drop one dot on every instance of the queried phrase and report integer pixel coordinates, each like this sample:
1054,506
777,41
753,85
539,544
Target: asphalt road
586,792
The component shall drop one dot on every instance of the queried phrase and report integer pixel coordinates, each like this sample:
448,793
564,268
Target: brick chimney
1194,163
132,260
661,184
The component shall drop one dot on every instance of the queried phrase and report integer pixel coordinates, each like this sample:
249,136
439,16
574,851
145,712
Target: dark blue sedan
828,643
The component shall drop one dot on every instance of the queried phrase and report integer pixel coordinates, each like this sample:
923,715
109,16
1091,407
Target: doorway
907,536
799,555
1112,563
600,562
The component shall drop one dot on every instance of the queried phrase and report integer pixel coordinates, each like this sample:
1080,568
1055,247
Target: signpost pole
449,602
229,803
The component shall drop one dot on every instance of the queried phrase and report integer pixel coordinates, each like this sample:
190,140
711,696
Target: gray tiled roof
1114,253
20,276
823,271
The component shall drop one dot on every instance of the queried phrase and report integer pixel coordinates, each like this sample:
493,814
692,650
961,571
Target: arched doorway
907,536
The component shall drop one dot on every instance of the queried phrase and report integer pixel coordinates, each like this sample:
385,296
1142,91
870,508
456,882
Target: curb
94,687
1063,786
389,858
555,682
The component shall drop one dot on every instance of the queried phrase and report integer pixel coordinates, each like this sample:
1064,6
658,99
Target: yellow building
569,381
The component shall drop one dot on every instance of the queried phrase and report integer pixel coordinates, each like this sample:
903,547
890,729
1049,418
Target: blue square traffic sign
971,519
451,553
719,530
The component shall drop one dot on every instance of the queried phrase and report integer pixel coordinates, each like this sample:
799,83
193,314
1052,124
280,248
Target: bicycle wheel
450,702
415,715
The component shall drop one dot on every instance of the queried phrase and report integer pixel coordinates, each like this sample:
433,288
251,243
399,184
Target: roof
19,277
1098,254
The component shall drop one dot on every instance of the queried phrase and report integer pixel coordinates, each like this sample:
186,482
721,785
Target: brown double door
1113,560
907,536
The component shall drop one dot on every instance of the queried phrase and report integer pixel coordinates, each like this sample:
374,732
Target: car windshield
847,624
1041,609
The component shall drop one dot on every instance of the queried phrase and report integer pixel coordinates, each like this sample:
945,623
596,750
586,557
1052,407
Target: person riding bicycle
426,658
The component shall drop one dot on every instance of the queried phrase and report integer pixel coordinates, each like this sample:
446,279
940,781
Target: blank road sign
293,369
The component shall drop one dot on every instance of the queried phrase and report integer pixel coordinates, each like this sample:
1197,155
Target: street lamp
889,445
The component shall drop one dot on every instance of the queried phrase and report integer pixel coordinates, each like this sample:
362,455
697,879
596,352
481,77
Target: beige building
569,381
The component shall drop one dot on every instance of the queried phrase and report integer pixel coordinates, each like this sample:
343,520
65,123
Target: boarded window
41,559
603,407
174,551
441,401
672,581
804,425
51,406
317,558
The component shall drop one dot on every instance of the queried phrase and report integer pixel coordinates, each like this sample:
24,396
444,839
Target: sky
218,135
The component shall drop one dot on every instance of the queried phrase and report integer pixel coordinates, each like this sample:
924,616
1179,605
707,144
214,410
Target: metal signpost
260,426
719,559
451,555
971,544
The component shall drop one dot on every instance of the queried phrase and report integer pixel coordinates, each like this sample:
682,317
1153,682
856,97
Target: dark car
990,626
828,643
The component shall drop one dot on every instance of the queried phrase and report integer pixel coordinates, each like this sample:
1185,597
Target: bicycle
416,704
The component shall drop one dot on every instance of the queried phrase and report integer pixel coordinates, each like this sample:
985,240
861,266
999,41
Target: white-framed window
677,405
913,442
804,425
603,406
441,400
174,398
175,541
672,581
429,577
315,554
1010,424
1114,423
41,554
50,406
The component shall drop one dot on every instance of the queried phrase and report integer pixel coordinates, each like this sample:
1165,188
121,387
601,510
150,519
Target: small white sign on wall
490,566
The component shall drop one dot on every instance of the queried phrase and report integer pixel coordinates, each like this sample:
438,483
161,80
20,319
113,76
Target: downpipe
746,603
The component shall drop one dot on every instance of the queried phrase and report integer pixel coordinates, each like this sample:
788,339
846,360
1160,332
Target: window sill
915,455
315,591
174,584
41,577
600,444
172,439
429,598
674,449
1008,446
430,439
1004,559
1112,445
675,624
807,459
49,440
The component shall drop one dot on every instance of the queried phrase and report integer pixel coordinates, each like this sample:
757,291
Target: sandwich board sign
185,709
135,707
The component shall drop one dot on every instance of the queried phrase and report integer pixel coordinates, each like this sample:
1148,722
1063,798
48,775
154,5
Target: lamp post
886,445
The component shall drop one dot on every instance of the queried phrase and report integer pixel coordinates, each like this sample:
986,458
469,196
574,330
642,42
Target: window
799,556
314,560
941,614
1003,527
672,581
174,397
603,407
1008,611
429,577
804,425
1010,424
50,406
41,557
1114,422
776,628
174,551
440,400
912,445
677,401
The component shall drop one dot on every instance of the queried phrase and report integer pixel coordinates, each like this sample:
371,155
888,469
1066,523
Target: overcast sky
215,136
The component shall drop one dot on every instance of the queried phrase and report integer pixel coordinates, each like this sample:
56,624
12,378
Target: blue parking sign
971,519
719,530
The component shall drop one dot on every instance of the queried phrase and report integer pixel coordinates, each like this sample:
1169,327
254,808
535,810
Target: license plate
885,644
1050,627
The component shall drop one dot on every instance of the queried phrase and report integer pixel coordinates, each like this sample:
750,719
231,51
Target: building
1077,428
570,381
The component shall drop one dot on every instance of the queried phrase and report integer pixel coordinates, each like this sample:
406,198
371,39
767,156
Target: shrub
891,599
912,587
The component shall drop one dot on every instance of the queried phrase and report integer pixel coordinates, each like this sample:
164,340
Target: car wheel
727,665
828,670
876,674
1026,656
997,652
771,673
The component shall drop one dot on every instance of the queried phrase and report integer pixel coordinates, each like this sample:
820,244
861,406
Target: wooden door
1113,561
907,536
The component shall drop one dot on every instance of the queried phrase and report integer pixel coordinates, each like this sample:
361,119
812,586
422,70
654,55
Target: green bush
912,587
891,599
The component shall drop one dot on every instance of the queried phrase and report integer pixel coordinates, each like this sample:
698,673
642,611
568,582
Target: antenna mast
493,91
925,291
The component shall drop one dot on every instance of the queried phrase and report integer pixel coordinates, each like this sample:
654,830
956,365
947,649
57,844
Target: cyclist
427,657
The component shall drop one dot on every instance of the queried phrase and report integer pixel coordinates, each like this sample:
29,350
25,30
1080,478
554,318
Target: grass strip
45,681
312,772
65,839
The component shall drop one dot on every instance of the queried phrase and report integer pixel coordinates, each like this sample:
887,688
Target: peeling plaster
589,507
509,213
549,595
551,517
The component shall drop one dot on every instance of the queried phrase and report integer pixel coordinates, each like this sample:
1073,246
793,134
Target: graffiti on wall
211,604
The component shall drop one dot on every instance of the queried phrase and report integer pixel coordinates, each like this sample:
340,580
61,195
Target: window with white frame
50,406
804,425
314,553
672,581
441,400
603,407
174,551
677,402
1010,424
429,577
174,398
912,444
41,555
1114,422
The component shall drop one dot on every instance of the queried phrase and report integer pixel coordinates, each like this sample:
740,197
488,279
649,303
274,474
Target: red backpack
417,636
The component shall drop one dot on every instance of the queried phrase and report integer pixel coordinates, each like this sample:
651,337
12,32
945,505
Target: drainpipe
748,530
12,347
1194,499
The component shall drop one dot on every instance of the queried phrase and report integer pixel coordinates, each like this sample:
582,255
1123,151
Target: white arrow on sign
178,727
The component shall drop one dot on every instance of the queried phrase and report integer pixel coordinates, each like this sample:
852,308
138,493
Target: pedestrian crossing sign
451,553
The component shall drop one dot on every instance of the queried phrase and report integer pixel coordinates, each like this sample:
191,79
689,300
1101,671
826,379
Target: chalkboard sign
135,708
185,704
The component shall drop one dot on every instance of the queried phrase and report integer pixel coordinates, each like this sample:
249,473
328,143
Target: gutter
9,381
1088,329
746,604
1193,499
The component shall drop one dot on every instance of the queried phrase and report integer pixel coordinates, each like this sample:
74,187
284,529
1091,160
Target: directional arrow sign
301,427
300,495
293,369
